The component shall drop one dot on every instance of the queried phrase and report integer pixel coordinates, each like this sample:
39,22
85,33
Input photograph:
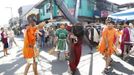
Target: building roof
25,9
127,4
32,7
112,2
40,4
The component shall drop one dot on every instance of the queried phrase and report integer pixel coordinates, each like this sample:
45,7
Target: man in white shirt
11,37
131,32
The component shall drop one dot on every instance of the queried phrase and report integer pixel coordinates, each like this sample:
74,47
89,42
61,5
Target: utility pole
77,9
11,14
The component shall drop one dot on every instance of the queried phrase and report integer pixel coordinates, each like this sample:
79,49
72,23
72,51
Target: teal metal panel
41,14
44,14
70,3
86,9
55,9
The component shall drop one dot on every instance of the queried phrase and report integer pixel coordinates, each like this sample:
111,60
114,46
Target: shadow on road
59,67
2,56
19,53
130,60
1,51
77,72
119,67
11,67
112,73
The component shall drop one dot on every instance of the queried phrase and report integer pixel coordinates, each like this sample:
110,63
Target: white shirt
131,34
11,34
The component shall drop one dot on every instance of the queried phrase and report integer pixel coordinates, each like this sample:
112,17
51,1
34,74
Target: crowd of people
7,39
66,40
67,45
114,39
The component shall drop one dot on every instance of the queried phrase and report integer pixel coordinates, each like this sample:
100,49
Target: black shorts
5,45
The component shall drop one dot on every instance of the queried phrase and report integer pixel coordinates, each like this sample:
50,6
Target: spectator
42,37
125,36
4,36
131,32
11,37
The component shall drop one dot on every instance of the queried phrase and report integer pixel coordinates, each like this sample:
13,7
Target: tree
13,21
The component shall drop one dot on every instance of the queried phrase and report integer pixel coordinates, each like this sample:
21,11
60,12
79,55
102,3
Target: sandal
110,63
106,70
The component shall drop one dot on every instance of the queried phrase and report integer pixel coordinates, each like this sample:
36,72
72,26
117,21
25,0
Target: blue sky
5,13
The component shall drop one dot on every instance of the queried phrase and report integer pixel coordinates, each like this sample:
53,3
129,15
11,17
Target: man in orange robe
29,43
107,43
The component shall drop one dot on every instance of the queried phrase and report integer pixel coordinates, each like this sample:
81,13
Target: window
43,9
47,7
41,12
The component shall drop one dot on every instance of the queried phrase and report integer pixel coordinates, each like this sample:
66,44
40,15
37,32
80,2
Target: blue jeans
42,42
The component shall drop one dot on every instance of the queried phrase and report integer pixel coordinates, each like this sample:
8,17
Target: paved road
14,64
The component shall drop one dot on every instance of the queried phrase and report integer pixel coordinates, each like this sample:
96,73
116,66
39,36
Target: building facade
126,6
86,9
104,8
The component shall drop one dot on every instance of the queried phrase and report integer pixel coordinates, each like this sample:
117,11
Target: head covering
68,28
32,18
130,24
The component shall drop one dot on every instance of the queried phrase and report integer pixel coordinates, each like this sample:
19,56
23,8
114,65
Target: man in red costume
76,46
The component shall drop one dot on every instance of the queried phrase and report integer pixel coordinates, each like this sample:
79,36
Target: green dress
62,36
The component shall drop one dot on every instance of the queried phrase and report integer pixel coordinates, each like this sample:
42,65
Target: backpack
78,30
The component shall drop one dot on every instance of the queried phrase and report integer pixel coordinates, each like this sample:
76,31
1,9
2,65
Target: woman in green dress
62,46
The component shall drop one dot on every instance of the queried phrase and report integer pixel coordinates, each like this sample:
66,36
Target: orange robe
29,39
110,35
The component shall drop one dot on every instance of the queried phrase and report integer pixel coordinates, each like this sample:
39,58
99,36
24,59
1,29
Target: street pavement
90,64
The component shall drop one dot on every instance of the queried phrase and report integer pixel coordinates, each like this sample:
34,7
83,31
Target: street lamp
11,14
